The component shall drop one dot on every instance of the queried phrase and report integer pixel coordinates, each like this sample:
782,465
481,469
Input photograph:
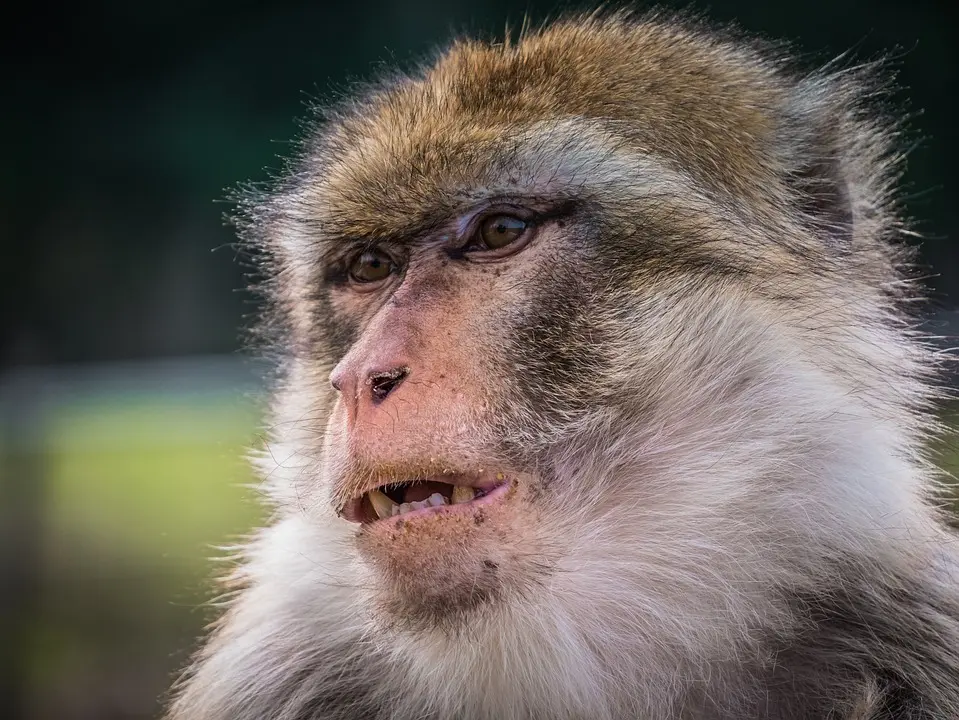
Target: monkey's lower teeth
385,507
434,500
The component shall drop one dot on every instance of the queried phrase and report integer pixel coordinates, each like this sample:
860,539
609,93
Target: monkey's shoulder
887,648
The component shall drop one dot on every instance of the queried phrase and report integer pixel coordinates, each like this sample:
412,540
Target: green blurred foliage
140,493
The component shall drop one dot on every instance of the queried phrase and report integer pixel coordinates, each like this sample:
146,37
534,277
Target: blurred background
126,401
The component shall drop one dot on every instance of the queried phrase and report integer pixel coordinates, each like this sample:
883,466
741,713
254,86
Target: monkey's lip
396,501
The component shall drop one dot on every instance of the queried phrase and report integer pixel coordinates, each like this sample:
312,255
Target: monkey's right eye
371,266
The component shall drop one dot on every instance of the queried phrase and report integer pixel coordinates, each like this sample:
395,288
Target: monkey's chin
432,570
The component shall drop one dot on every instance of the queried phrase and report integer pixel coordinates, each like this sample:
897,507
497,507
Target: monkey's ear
818,168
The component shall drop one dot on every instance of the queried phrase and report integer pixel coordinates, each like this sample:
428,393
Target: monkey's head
579,323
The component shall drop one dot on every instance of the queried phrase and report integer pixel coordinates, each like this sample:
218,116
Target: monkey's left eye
371,266
499,231
498,235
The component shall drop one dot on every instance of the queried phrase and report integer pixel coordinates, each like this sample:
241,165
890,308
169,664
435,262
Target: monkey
600,394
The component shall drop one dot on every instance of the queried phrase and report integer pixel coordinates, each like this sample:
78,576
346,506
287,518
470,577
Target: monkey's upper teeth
382,504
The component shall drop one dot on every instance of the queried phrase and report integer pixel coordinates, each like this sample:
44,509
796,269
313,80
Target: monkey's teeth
385,507
381,504
462,494
434,500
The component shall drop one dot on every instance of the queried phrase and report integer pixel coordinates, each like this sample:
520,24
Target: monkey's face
501,340
462,357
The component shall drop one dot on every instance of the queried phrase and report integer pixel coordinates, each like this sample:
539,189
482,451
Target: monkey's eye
498,231
371,266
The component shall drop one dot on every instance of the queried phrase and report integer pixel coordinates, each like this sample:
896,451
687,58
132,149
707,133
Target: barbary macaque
599,397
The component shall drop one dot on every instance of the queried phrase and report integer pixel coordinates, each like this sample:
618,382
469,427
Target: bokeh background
126,401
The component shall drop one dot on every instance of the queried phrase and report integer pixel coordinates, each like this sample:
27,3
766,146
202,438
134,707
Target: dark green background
124,409
125,121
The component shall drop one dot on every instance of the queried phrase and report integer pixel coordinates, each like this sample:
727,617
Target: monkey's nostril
383,383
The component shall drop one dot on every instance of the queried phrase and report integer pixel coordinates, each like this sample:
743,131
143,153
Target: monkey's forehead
510,118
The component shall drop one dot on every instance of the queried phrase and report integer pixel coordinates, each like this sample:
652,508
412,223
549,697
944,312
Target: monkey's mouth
424,497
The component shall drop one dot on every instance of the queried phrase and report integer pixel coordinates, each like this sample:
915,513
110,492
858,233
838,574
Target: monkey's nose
367,387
